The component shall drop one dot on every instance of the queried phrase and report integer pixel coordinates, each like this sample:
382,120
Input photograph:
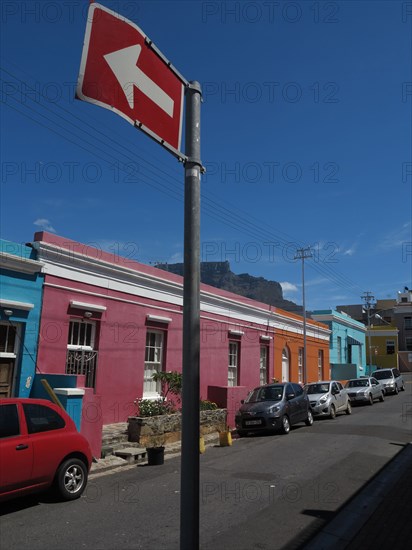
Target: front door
6,377
285,365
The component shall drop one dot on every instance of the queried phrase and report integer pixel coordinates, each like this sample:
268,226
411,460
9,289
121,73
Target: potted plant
156,451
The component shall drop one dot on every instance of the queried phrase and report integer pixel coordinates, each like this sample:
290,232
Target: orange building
289,349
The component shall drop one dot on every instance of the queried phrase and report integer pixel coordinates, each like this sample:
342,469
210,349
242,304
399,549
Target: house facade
347,344
395,313
21,283
384,347
111,322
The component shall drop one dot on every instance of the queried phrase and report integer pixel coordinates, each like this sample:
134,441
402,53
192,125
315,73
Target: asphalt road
268,492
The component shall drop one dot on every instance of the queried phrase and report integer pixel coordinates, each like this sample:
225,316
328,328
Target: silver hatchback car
327,398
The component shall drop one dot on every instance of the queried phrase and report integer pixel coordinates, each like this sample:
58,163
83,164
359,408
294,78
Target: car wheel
71,478
332,412
349,408
309,420
403,387
370,399
285,425
241,433
396,389
382,397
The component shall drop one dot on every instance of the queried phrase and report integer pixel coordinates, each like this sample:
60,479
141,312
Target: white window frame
263,364
152,389
15,327
300,365
233,366
320,364
86,344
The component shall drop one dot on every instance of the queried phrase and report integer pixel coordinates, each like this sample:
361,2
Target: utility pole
303,254
369,300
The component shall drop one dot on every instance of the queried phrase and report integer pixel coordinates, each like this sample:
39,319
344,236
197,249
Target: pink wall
122,328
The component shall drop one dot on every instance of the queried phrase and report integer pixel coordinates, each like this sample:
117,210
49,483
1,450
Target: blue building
347,344
21,283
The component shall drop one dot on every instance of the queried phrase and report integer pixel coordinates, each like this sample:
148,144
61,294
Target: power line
224,215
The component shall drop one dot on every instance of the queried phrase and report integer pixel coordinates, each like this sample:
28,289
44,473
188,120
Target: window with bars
153,362
232,378
81,356
264,361
7,338
320,364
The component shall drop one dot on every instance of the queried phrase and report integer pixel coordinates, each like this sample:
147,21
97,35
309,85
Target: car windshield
358,383
268,393
317,388
382,375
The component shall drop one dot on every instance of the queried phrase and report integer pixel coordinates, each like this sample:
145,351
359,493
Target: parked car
273,407
365,389
391,380
40,447
327,398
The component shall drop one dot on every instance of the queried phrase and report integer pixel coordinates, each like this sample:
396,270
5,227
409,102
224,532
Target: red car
40,447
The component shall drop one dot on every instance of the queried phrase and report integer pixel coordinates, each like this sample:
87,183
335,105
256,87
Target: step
131,454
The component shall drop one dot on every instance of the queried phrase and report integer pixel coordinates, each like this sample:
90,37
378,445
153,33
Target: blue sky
306,137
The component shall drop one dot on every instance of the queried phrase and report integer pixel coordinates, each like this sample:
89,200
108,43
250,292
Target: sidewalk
379,516
114,463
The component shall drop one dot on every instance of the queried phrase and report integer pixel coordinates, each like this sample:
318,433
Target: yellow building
382,346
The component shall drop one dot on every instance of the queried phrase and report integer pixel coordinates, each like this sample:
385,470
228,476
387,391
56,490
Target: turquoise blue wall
22,287
346,328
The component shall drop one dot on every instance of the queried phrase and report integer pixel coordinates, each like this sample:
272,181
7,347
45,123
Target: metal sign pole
189,501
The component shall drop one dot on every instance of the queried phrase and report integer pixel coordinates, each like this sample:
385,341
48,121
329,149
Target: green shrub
207,405
154,407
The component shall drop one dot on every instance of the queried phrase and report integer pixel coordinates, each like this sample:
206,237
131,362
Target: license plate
252,422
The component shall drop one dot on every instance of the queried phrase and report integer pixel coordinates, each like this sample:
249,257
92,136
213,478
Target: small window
9,421
390,347
408,323
40,418
7,338
264,355
233,364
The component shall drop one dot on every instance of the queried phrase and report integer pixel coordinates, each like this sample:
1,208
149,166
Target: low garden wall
154,431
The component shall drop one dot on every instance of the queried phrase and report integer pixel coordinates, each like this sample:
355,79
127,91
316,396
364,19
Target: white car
327,398
365,390
391,380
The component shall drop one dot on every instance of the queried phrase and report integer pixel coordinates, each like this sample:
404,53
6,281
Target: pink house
112,322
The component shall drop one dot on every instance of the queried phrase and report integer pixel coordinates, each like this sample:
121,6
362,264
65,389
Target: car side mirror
290,396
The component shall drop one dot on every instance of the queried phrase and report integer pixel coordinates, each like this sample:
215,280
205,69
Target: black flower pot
155,456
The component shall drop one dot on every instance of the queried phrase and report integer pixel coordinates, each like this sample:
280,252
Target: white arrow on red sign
130,75
123,71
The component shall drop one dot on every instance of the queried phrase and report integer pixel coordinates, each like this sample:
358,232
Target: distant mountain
219,275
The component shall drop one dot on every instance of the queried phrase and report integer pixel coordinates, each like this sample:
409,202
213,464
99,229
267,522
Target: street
266,492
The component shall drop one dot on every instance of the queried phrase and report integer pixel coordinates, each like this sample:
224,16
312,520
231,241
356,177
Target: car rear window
9,420
40,418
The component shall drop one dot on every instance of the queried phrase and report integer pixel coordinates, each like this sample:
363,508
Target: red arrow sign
122,70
